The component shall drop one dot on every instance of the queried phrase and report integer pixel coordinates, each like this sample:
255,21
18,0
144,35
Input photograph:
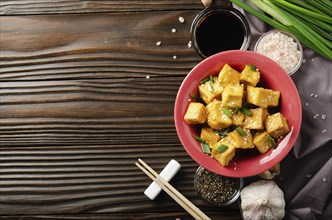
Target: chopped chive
206,79
195,97
236,110
246,111
222,148
272,142
211,79
206,148
241,131
210,88
252,67
227,112
223,132
200,140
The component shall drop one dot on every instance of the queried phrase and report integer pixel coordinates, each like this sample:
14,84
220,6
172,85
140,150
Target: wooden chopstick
171,191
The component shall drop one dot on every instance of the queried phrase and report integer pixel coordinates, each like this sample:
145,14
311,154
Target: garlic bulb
262,200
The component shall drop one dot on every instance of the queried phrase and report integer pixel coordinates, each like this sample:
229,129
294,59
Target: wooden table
85,91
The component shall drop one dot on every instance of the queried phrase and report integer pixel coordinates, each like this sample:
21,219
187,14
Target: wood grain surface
85,91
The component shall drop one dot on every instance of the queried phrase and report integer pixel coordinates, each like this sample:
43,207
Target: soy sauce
218,32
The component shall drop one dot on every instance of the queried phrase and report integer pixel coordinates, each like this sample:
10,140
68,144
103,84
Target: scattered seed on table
147,76
324,131
308,175
173,30
306,104
181,19
323,117
189,44
315,116
175,57
158,43
324,179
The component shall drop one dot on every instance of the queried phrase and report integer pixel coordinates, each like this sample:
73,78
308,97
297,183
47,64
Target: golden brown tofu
228,75
225,156
210,90
276,125
237,119
209,136
240,141
263,141
216,118
262,97
196,113
250,76
256,120
232,96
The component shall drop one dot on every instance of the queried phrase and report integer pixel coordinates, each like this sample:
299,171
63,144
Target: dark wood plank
8,7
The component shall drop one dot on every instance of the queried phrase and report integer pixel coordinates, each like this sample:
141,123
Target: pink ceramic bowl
272,77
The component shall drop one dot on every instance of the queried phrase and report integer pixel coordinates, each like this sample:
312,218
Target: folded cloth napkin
306,173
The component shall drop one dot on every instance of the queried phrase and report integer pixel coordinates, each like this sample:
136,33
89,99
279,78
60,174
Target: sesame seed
308,175
323,116
181,19
324,179
158,43
324,131
147,76
189,44
306,104
173,30
175,57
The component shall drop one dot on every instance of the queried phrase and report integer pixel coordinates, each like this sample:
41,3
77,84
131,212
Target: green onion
252,67
222,148
227,112
236,110
245,111
206,148
195,97
272,142
200,140
288,15
206,79
224,131
210,88
241,131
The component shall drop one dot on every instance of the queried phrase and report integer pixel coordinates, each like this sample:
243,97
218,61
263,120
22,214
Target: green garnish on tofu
272,142
206,148
241,131
252,67
227,112
222,148
245,111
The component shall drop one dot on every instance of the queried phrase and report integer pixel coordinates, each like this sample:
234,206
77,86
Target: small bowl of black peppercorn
217,190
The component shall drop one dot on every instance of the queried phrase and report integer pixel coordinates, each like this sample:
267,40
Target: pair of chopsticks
171,191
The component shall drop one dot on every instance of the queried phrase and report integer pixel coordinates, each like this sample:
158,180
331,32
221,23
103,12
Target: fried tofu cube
250,76
262,97
256,119
209,136
263,141
237,119
228,75
276,125
240,141
210,90
216,118
232,95
225,156
196,113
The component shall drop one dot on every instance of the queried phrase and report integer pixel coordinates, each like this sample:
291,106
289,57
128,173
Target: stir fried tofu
276,125
239,140
216,118
232,95
263,142
228,75
262,97
250,76
237,119
196,113
210,90
223,151
209,136
256,119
